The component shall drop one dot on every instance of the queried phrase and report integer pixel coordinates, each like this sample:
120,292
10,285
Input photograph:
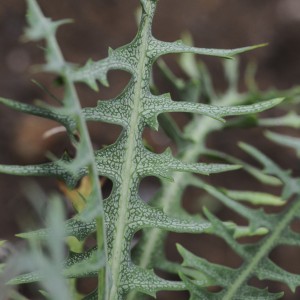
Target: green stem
128,168
93,175
56,57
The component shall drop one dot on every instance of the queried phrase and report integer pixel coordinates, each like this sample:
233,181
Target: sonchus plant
125,163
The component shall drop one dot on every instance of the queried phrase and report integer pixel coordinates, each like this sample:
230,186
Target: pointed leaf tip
180,249
244,49
277,101
260,45
24,235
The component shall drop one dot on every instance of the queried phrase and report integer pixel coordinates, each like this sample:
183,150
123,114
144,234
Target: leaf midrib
129,167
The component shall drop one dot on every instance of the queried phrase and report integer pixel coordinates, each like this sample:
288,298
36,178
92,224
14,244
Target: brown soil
103,23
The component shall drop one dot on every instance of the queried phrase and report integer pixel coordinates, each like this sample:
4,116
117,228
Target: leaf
291,119
256,262
250,293
285,140
255,198
179,47
255,172
73,227
291,185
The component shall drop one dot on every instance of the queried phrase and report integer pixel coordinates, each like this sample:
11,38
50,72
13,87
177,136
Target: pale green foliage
128,161
275,227
47,266
255,255
191,144
284,140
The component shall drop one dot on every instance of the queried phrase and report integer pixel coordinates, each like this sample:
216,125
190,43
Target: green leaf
291,119
256,262
255,198
253,171
285,140
291,185
180,47
73,227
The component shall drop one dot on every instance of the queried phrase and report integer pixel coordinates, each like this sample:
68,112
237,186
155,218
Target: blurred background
99,24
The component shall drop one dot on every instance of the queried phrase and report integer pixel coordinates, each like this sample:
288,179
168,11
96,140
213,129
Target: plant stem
129,167
71,102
